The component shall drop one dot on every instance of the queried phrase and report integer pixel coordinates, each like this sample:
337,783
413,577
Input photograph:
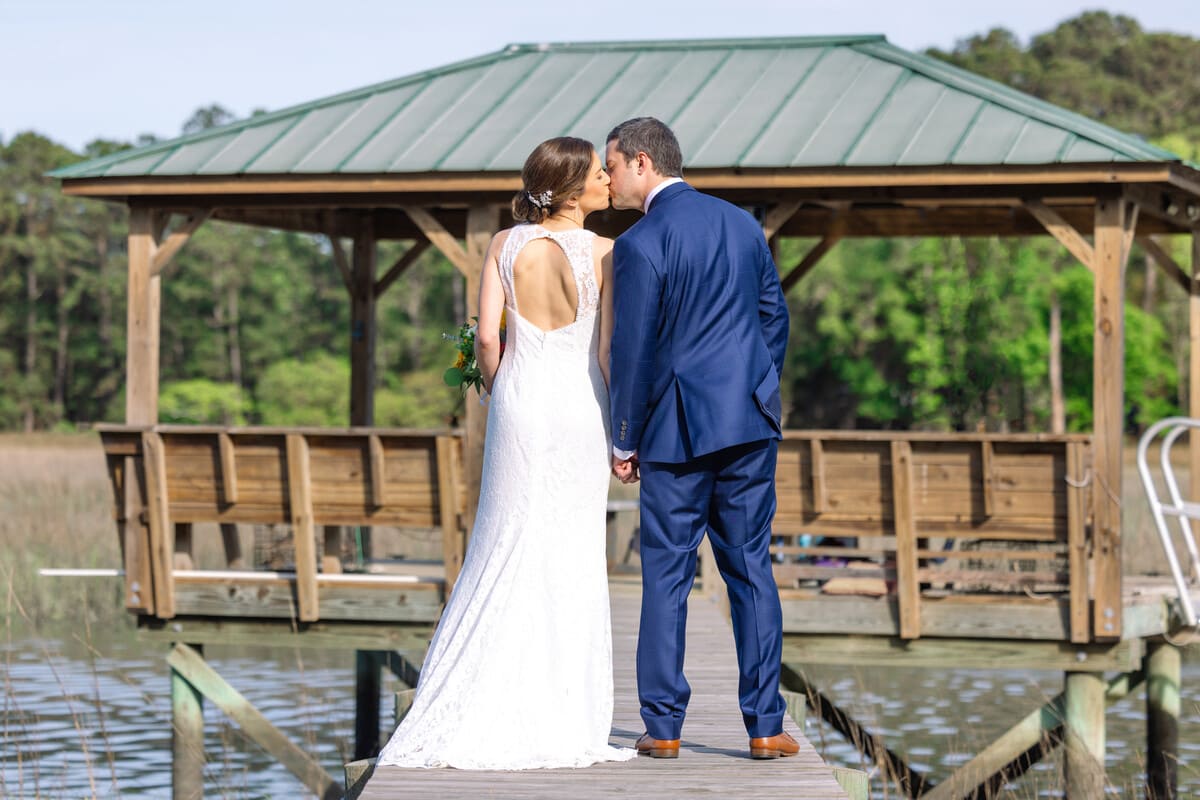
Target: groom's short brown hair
652,137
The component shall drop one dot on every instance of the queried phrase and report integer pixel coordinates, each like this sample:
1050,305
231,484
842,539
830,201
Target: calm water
80,721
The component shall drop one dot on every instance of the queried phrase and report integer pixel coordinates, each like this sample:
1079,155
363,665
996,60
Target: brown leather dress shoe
780,745
647,745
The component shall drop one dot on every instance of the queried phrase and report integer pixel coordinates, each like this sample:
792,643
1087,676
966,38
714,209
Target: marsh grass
56,510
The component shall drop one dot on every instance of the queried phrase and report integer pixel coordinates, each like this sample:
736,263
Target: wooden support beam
1128,230
1077,560
367,683
144,298
166,251
814,256
908,591
1084,735
461,258
363,327
229,484
893,766
190,664
965,652
357,774
162,534
1164,676
342,262
989,478
401,266
403,704
817,455
1166,262
377,476
301,509
133,530
1108,369
187,736
402,668
1060,229
1019,748
448,508
483,221
778,216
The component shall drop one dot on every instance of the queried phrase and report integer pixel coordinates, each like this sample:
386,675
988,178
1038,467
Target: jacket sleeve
637,296
772,307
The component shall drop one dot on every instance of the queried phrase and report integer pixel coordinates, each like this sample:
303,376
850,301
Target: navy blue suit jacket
700,330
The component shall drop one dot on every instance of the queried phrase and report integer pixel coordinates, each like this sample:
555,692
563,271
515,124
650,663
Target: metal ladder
1183,511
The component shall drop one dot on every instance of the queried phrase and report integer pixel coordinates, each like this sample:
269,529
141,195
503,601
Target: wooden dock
714,758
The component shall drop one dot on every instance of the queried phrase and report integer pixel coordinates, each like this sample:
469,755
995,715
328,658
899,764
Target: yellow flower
503,321
460,362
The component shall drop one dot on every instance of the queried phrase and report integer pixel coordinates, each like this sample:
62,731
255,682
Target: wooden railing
165,478
921,514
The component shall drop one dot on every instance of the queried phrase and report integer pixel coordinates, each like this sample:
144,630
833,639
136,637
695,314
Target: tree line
932,334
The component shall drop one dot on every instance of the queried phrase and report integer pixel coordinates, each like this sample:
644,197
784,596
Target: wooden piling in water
1163,677
1084,735
187,738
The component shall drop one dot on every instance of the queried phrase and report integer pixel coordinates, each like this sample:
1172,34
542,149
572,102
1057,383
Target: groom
700,328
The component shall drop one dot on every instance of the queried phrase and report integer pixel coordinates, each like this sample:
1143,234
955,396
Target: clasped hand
625,470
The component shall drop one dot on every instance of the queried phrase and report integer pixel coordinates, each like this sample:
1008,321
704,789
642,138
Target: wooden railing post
448,472
162,534
908,590
300,496
1077,560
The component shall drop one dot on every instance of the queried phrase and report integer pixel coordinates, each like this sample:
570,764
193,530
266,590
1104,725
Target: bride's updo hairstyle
555,172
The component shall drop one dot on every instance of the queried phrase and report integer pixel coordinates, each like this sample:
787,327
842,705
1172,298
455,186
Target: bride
519,672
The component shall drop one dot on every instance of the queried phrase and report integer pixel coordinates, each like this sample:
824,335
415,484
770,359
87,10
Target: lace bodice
576,244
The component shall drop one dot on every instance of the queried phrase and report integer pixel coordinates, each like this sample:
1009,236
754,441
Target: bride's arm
491,306
606,306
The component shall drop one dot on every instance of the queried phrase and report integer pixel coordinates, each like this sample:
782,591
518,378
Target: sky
80,70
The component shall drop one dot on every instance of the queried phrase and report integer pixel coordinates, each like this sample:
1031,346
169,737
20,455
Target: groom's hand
626,470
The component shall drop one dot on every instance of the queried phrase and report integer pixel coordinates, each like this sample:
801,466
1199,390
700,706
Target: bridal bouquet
465,372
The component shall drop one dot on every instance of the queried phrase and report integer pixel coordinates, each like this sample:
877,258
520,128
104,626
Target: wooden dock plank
714,758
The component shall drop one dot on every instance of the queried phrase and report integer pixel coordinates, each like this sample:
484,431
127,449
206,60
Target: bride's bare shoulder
602,246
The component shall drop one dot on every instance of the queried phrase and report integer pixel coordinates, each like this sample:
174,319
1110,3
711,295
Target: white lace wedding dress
519,672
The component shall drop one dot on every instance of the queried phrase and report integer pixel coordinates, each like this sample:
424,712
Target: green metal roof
775,103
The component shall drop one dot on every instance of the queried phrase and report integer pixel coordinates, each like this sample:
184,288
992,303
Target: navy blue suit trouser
730,494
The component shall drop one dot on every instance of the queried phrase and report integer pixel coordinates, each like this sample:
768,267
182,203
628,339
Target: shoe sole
766,754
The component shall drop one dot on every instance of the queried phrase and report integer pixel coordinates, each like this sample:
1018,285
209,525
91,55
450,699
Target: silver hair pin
541,200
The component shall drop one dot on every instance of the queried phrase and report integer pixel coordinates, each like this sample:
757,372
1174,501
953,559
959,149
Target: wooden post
142,322
1163,682
141,404
162,533
482,224
1084,735
191,666
448,493
1194,362
368,665
362,342
300,501
1077,560
1108,399
232,545
908,591
187,737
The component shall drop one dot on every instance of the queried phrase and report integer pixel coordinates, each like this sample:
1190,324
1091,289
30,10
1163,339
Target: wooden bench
165,478
1011,513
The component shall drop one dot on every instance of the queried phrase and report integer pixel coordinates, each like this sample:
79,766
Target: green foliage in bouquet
465,372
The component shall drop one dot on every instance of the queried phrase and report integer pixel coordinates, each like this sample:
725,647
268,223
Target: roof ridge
685,44
1020,102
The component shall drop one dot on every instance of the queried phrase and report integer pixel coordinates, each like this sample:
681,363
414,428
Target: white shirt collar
654,192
